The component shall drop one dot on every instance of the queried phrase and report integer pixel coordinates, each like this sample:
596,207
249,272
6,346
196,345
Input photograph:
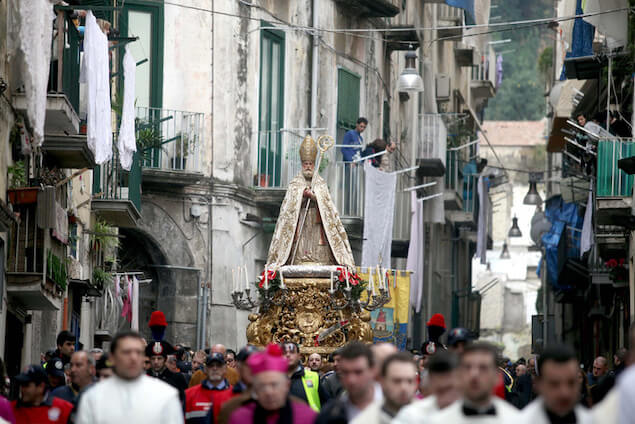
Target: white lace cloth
35,35
126,141
95,74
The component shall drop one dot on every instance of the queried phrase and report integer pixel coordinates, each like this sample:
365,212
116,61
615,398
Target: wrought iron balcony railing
611,180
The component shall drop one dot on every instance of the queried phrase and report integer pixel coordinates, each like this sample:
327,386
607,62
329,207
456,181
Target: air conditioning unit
443,87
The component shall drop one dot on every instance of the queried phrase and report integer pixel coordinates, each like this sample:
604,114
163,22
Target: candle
246,278
234,278
331,280
370,279
348,286
281,280
266,279
383,278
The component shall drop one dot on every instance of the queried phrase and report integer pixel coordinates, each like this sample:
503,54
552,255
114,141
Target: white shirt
626,391
535,413
505,414
372,414
418,411
140,401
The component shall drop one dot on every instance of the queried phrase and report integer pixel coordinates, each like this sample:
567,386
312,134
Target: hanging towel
126,140
95,73
379,212
35,22
60,231
586,240
126,311
483,216
613,25
134,324
415,252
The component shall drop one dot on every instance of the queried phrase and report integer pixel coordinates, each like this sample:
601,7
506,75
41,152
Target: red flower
271,275
621,261
611,263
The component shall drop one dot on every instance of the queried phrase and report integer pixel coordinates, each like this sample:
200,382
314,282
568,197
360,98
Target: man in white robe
559,389
129,396
478,375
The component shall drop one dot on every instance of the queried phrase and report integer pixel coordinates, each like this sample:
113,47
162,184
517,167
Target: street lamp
410,80
532,197
505,252
514,231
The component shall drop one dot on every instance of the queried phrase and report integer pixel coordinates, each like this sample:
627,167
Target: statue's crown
308,149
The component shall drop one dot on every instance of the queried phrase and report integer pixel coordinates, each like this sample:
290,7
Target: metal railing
486,69
64,68
450,13
432,134
348,190
277,159
470,193
171,140
112,182
612,181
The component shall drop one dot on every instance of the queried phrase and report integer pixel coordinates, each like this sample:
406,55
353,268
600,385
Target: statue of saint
321,239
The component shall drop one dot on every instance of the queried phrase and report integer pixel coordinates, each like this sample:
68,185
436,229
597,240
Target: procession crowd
459,381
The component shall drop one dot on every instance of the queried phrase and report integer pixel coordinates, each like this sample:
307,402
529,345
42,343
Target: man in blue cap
55,372
35,404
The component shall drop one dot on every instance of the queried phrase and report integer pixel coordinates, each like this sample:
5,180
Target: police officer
305,384
35,404
158,352
55,371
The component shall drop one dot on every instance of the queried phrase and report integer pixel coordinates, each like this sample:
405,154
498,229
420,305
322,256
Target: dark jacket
175,380
297,387
331,385
334,412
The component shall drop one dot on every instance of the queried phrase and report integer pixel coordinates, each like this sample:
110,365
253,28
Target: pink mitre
269,360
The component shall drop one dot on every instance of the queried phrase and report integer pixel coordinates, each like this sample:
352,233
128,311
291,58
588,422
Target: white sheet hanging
416,251
483,224
379,213
612,25
95,73
134,324
35,34
586,239
126,141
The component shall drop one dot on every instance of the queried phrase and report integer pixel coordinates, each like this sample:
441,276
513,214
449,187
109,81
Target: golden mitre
308,149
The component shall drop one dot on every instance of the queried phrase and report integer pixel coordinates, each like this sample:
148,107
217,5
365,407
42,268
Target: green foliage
104,236
56,270
520,96
101,278
17,175
545,61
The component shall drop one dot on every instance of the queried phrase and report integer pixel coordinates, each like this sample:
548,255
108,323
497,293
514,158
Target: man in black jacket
305,384
158,352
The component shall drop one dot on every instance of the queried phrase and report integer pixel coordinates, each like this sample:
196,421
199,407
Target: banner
390,322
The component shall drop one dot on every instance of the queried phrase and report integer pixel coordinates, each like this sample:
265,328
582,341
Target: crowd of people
459,381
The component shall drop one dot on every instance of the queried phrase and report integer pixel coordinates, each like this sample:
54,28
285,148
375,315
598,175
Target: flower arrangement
618,270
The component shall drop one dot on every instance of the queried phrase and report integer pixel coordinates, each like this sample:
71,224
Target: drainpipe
314,68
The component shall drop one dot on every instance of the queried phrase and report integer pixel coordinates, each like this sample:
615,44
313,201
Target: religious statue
317,238
308,246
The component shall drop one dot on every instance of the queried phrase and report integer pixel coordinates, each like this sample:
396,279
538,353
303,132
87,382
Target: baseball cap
55,367
215,357
33,373
246,352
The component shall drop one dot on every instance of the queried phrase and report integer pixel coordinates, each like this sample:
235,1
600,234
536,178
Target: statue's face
307,168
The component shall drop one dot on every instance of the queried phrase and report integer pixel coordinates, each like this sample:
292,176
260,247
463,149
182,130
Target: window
347,101
271,108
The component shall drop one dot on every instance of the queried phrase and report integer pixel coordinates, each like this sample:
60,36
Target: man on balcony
349,154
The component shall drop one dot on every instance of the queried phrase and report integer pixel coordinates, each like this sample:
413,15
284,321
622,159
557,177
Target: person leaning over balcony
354,138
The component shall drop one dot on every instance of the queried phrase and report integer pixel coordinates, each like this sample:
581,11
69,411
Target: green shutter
347,98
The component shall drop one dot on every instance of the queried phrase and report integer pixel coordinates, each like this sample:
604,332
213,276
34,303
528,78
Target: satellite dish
539,226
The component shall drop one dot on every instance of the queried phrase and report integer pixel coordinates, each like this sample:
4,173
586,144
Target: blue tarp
581,38
468,6
561,215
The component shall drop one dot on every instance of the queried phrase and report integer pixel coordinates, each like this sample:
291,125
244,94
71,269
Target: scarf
285,417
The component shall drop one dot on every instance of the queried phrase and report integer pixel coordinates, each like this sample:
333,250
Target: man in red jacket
210,394
35,404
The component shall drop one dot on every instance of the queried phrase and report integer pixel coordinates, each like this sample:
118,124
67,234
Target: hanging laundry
134,323
35,22
95,73
126,311
126,143
416,251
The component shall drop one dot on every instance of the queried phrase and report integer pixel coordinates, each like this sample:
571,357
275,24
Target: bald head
381,351
219,348
315,362
600,367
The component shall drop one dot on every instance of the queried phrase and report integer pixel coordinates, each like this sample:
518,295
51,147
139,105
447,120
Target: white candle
331,280
234,279
281,280
348,286
246,278
370,278
383,278
266,279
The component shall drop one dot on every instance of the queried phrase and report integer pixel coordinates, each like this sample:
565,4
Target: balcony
449,17
483,83
117,192
466,55
36,270
173,145
371,8
614,186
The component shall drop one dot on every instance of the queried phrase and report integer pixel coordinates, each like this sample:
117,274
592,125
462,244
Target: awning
467,6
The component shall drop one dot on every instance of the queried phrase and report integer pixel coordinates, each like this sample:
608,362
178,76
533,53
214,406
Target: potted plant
19,193
149,142
181,151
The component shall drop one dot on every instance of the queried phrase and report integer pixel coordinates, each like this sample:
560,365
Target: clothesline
420,186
